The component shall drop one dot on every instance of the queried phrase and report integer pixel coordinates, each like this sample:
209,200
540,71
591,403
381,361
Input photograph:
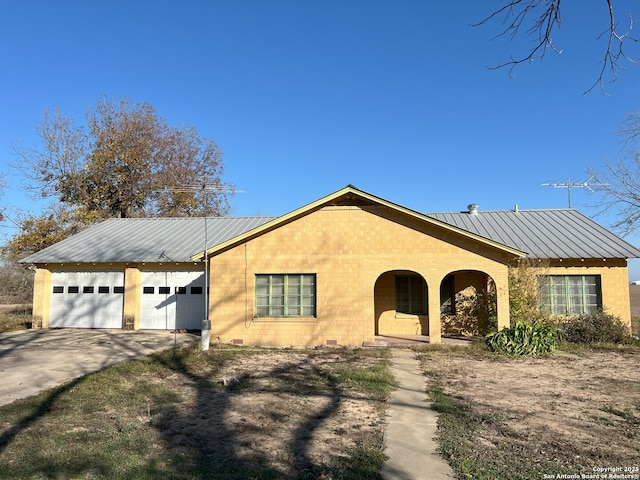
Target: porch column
435,329
41,299
502,300
132,292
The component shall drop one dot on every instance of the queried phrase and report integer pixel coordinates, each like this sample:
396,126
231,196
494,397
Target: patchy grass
231,413
15,317
523,418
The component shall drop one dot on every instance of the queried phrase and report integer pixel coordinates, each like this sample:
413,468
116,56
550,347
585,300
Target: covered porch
412,308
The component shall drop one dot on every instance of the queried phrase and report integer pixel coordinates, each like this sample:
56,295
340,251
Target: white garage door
172,300
87,299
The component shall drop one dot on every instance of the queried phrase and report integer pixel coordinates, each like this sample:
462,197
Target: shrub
524,292
485,310
523,339
475,313
597,327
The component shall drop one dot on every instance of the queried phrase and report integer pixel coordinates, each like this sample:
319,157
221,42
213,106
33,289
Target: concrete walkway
411,426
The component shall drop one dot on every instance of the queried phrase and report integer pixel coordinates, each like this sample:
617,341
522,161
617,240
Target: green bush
474,313
524,292
523,339
597,327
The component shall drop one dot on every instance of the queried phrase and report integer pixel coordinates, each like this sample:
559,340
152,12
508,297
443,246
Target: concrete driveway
35,360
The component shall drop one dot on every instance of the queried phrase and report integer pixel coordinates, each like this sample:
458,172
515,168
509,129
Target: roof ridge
191,218
519,210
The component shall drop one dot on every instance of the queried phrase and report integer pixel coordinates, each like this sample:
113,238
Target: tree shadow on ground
214,442
195,426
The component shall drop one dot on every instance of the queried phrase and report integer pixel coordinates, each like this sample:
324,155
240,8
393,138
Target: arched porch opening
468,304
401,299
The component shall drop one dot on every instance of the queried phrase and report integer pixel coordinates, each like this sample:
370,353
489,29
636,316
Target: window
196,290
73,289
164,290
570,294
286,295
148,290
87,289
181,290
58,289
103,289
411,295
118,289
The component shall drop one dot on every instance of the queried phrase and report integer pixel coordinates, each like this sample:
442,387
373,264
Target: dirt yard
233,414
576,413
284,408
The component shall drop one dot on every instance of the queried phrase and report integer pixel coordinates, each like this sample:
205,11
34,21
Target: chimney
473,209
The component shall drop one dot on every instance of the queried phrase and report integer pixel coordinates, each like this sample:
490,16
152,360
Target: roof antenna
206,188
569,185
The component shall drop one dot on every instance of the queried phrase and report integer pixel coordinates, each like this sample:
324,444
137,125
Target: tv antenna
569,184
206,188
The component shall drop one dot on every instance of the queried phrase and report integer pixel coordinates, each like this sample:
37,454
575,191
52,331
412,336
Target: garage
172,300
130,273
87,299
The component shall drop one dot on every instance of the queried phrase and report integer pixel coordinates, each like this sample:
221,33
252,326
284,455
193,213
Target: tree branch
545,19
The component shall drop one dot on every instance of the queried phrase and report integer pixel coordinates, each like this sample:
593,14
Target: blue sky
305,97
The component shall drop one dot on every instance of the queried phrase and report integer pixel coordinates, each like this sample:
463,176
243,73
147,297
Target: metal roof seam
542,233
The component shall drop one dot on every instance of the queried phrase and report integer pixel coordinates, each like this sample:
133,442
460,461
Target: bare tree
541,18
123,162
618,182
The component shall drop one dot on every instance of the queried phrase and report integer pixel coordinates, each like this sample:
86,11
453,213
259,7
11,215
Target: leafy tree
540,19
125,162
35,233
38,232
618,182
17,281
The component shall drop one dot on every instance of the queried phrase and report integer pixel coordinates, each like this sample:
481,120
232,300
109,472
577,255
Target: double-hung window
285,295
570,294
411,295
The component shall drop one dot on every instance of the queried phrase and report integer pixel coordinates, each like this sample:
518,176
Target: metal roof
559,233
556,233
145,240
